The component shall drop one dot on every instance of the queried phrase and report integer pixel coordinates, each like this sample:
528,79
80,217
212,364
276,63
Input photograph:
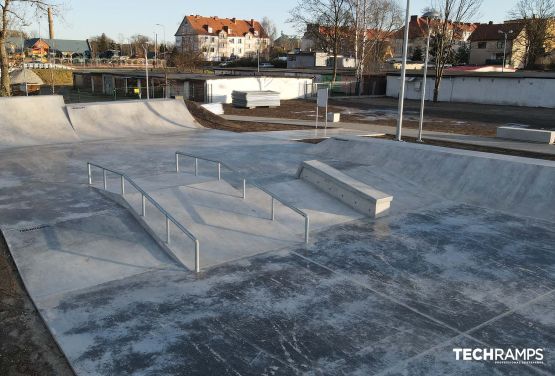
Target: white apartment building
221,38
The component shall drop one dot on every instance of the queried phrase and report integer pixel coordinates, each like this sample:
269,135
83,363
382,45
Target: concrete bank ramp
35,120
107,120
520,186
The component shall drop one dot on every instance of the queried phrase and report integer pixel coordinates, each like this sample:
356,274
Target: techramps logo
501,356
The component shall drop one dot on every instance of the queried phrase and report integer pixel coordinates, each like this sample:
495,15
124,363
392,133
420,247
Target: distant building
487,44
60,48
317,38
222,38
418,33
306,59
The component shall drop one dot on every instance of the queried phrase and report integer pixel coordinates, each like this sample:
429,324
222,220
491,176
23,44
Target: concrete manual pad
227,226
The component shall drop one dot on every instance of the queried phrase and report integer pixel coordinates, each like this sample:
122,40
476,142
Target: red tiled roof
232,26
485,32
418,28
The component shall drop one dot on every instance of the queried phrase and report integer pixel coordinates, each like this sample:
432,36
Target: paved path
442,136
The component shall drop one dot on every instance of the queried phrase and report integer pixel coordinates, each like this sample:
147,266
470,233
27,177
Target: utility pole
504,47
145,47
403,73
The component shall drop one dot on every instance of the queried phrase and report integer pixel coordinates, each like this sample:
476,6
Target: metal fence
335,89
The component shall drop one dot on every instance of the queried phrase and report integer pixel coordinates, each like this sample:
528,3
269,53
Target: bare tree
187,58
270,28
374,24
454,13
13,12
330,20
537,17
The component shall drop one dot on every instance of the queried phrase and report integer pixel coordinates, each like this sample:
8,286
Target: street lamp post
165,57
504,47
403,73
145,47
428,16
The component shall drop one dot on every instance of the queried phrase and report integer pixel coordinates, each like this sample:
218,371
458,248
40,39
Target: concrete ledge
354,193
525,134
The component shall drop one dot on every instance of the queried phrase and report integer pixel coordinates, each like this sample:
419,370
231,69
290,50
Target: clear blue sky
123,18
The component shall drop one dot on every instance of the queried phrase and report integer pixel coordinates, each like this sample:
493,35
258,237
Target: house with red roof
418,33
487,44
222,38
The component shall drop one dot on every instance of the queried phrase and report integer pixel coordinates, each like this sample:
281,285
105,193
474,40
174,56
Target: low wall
514,91
219,90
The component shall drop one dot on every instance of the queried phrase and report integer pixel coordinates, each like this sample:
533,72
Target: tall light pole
403,73
165,57
164,41
504,47
145,47
431,15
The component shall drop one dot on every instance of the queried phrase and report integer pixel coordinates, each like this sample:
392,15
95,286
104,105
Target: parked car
225,63
266,65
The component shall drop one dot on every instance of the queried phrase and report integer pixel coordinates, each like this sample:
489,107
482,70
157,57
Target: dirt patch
305,110
209,120
60,76
485,149
26,346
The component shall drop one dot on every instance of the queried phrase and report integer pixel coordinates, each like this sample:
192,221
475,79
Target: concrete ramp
520,186
107,120
36,120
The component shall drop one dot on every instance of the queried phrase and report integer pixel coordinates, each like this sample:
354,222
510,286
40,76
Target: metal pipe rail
144,197
272,195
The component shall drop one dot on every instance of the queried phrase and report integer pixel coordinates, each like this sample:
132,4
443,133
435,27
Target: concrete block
526,134
334,117
215,108
352,192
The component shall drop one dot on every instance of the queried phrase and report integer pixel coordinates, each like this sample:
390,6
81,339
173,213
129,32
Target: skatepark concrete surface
464,259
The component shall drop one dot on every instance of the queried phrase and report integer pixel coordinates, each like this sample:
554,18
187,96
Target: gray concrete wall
530,92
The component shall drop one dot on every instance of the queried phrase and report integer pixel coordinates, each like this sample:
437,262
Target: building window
211,49
232,41
239,40
500,44
212,39
482,45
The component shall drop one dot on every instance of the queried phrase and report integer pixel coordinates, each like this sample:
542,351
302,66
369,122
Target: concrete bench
352,192
526,134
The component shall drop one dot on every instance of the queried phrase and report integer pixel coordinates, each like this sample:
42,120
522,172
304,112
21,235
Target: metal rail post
122,185
143,211
167,230
90,174
244,189
272,216
306,229
219,171
197,256
105,179
196,166
176,162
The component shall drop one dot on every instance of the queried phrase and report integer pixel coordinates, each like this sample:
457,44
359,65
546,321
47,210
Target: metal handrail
144,197
272,195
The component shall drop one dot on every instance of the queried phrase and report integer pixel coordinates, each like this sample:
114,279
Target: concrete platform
465,259
359,196
525,134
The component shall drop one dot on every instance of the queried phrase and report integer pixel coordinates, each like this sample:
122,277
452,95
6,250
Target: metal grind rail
144,198
221,164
